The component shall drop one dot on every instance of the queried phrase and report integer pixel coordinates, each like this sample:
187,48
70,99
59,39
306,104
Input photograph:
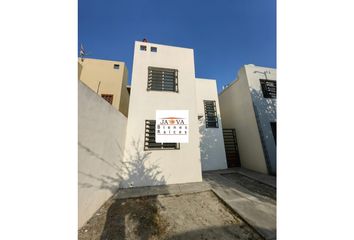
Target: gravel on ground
189,216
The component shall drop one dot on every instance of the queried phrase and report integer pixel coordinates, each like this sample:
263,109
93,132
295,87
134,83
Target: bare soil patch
188,216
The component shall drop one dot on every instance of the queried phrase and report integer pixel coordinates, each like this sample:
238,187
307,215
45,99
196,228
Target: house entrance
231,148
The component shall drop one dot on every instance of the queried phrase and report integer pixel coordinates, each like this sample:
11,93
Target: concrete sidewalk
263,178
258,213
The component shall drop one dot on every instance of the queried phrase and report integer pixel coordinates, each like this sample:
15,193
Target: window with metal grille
108,97
211,116
150,143
162,79
269,88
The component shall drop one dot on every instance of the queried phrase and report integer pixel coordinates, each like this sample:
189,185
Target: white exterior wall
101,135
212,147
237,112
265,109
160,167
240,103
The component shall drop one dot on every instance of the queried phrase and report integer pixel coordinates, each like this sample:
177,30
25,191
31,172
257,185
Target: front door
231,148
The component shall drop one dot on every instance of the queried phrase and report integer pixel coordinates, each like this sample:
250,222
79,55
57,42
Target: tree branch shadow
265,110
127,218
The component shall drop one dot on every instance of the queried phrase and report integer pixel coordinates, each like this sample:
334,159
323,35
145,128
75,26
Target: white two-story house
163,78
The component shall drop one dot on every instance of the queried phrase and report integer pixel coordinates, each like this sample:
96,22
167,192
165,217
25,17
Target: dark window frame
153,49
149,139
143,48
116,66
269,91
211,114
162,79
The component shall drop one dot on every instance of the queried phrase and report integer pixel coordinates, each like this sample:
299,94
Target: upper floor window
269,88
153,49
162,79
211,116
150,142
116,66
142,47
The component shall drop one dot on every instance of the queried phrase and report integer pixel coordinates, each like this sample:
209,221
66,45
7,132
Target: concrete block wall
101,139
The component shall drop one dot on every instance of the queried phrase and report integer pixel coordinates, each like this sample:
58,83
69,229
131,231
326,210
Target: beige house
248,105
108,79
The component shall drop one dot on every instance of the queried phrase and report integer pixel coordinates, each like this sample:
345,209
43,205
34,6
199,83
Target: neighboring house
248,105
163,78
108,79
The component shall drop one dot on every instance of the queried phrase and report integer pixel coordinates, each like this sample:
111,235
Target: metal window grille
231,148
211,116
162,79
108,97
150,143
269,88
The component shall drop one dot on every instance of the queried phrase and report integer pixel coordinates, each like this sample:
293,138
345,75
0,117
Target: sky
225,34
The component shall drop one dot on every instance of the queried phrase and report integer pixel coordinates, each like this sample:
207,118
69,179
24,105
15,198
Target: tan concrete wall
237,112
101,135
79,69
102,78
212,149
124,100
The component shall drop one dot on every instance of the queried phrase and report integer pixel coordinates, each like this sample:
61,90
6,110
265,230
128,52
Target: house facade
117,150
163,78
248,105
108,79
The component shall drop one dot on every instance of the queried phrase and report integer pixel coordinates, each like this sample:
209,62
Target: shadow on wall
129,173
103,181
209,142
265,105
265,110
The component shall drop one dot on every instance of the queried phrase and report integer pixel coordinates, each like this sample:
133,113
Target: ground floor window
150,143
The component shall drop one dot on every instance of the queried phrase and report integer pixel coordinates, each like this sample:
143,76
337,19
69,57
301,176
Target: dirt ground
190,216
